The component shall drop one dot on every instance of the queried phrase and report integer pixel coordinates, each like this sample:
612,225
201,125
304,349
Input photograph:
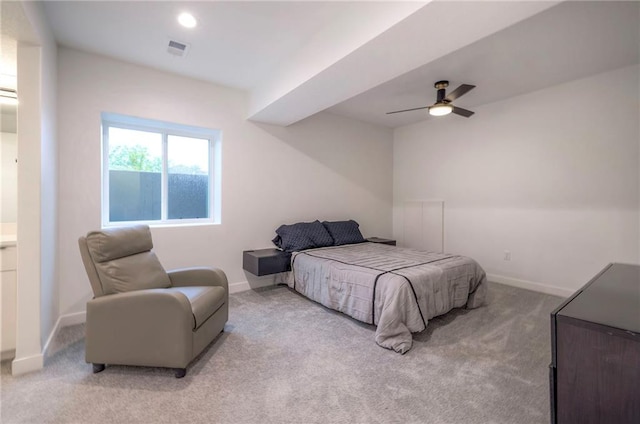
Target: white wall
9,172
37,285
49,287
551,176
325,167
8,120
28,345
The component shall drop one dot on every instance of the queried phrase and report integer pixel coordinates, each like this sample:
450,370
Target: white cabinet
8,280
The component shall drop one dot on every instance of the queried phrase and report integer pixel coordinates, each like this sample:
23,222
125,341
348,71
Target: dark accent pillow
301,236
344,232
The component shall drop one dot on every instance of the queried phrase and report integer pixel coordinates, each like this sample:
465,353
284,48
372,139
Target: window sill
162,224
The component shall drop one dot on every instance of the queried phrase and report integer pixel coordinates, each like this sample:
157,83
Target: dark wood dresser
595,345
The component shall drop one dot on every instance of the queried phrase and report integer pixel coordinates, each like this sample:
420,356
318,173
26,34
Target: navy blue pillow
344,232
301,236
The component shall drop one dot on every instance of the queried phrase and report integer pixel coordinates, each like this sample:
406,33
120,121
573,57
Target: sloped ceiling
570,41
360,59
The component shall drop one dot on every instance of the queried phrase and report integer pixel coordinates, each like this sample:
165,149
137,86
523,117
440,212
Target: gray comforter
396,289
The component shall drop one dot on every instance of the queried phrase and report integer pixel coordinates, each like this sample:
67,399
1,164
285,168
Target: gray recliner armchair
141,314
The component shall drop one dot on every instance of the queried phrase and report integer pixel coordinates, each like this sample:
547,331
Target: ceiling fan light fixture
443,105
440,109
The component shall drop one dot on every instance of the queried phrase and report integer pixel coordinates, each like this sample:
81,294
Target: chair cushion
124,260
114,243
136,272
205,301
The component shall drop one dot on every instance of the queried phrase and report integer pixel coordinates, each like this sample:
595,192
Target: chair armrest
161,307
198,276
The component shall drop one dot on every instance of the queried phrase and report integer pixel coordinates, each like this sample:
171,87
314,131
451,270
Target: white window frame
111,120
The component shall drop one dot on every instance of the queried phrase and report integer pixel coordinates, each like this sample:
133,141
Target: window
159,173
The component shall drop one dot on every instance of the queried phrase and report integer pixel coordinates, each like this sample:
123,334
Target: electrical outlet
507,255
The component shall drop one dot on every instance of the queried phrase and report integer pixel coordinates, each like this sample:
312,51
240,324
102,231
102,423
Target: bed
396,289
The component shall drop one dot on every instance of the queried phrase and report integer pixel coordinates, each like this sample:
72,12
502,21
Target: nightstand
266,261
382,241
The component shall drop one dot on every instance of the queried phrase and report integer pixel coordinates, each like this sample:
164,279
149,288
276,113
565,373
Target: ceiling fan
443,105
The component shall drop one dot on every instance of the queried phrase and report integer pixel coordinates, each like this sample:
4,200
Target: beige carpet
285,359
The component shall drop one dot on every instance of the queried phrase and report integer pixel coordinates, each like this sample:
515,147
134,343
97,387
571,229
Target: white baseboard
73,319
64,321
245,285
530,285
29,364
239,287
52,335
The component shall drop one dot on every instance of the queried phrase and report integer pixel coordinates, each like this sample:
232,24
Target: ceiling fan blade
459,92
462,112
407,110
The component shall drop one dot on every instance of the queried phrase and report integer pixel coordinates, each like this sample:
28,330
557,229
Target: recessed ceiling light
187,20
